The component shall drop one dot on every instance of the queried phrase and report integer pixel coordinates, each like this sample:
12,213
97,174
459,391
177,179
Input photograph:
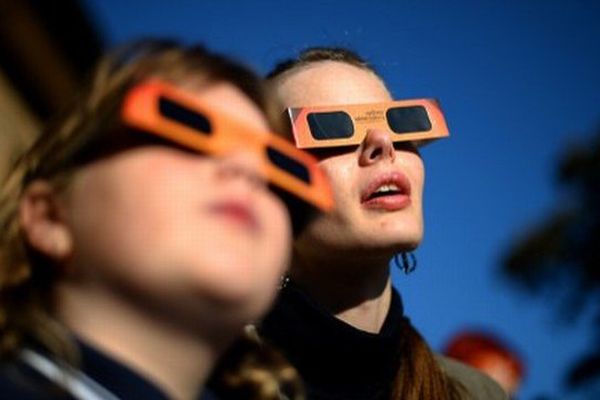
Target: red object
490,355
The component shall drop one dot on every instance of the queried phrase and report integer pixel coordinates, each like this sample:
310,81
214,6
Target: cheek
341,172
118,214
414,167
279,232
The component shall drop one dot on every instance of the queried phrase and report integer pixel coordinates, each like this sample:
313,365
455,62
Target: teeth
387,188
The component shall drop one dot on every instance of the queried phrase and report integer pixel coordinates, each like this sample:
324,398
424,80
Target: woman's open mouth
388,191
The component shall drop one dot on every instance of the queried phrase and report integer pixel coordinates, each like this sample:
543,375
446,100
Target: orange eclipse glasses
418,120
177,115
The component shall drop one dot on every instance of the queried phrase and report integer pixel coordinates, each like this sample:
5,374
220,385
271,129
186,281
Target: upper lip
397,178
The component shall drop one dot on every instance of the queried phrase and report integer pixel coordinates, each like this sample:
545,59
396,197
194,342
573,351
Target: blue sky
519,81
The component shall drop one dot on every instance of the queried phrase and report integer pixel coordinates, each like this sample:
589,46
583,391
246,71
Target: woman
139,232
338,320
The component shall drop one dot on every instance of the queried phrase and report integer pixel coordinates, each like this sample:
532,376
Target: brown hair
419,376
85,132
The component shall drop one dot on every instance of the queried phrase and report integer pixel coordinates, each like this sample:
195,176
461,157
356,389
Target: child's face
179,230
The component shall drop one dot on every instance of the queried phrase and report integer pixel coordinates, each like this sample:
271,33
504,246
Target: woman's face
362,221
175,227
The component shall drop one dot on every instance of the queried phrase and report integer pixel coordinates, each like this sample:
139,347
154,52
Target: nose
242,166
376,146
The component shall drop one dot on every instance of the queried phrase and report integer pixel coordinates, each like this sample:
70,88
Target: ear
42,220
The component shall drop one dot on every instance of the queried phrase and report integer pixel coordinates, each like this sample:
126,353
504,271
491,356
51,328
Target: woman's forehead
330,82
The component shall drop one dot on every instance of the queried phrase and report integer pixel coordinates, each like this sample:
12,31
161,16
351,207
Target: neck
357,293
176,360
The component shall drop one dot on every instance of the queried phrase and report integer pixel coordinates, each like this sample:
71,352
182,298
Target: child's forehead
229,99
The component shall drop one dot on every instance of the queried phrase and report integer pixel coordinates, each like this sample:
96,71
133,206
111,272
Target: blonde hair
82,134
252,369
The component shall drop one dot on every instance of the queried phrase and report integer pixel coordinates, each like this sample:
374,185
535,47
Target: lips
389,191
238,213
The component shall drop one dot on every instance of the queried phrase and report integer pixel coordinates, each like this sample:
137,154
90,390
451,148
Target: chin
247,287
242,304
408,244
389,245
397,238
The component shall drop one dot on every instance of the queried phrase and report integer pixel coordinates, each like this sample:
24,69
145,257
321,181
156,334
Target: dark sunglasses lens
184,115
288,164
408,119
330,125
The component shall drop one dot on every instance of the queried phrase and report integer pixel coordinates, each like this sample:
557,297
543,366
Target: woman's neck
172,358
357,293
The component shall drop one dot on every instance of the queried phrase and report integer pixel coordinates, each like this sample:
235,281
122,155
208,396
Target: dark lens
184,116
330,125
288,164
408,119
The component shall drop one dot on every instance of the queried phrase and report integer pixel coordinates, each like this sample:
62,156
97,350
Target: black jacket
340,362
32,376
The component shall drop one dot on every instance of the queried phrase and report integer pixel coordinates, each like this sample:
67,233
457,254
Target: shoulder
479,385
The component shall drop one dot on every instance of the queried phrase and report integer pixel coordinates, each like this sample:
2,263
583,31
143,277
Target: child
140,233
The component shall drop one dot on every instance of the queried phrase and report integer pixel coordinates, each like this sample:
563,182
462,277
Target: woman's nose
376,146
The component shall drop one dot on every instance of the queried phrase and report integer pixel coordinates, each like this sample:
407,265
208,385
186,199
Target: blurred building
46,49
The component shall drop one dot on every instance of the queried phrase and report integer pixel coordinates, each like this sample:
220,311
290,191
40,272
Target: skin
342,258
158,269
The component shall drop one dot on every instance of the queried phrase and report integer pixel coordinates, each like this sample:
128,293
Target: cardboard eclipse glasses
169,112
418,120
